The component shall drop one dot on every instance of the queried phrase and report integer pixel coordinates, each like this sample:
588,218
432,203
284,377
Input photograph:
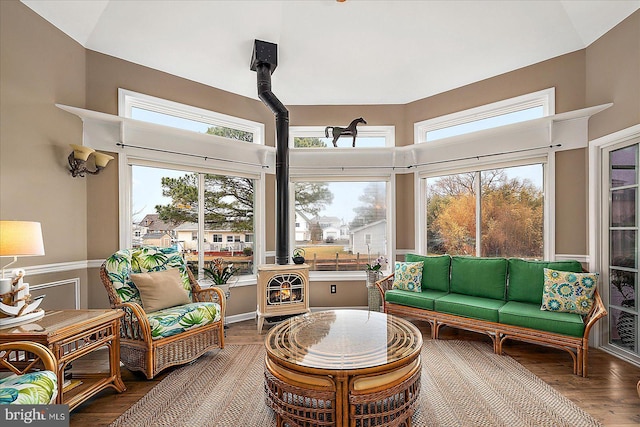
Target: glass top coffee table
352,353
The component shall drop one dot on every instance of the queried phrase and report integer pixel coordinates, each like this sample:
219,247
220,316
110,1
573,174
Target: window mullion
201,202
478,190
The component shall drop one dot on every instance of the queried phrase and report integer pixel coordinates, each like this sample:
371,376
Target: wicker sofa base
171,351
577,347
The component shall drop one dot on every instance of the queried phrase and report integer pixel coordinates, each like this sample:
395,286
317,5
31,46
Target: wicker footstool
385,400
299,399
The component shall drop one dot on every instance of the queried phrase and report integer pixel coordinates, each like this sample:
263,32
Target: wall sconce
78,159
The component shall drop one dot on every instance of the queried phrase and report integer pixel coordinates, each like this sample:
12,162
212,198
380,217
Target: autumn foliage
511,215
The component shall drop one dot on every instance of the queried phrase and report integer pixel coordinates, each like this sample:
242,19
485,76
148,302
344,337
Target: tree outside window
511,214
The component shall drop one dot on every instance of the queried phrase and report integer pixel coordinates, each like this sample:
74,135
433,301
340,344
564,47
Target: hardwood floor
608,394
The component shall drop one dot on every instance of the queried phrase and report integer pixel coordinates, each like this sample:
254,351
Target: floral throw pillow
568,292
408,276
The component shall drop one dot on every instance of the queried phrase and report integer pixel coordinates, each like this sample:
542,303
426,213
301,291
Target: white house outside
370,238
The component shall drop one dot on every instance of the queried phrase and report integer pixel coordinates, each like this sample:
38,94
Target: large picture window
341,225
491,213
166,212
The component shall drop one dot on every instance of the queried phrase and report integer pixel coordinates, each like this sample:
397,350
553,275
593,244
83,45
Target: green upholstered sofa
499,297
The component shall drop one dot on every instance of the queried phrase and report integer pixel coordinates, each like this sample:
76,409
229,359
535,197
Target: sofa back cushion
479,277
435,271
526,278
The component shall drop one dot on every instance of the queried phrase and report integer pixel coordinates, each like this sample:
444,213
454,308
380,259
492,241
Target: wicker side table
71,334
373,295
374,298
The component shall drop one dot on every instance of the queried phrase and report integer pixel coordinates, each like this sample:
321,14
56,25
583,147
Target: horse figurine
349,130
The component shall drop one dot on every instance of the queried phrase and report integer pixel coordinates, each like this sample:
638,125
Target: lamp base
5,287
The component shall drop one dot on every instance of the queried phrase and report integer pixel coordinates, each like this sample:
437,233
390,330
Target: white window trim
386,132
128,99
544,98
598,229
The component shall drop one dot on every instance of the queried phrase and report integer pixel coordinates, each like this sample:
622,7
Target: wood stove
282,290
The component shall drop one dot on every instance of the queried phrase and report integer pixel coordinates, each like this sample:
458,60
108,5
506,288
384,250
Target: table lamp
18,238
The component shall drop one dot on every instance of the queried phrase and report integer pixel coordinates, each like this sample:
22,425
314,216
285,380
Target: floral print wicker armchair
153,341
33,379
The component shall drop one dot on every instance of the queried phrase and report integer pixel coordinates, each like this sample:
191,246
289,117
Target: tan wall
41,66
613,75
348,294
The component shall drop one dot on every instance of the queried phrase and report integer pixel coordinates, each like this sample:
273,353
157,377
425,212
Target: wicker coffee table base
301,400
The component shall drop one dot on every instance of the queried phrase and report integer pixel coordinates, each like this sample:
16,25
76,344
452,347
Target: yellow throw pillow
408,276
160,289
568,292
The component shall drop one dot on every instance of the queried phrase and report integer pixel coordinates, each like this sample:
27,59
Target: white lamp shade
21,238
81,152
101,159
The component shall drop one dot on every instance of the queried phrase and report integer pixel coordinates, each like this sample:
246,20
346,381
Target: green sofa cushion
435,272
530,316
479,277
469,306
526,278
422,299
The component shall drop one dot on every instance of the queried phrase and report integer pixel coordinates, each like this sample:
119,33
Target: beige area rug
463,384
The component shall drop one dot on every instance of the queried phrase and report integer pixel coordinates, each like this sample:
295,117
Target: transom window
318,137
168,113
514,110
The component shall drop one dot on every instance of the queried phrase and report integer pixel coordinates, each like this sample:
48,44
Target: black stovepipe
282,161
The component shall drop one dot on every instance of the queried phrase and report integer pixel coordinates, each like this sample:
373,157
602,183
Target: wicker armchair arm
134,325
212,294
384,285
12,360
597,312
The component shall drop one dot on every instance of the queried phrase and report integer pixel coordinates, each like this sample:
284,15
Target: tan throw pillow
160,289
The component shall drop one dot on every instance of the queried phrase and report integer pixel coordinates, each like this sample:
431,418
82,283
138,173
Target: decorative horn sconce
78,159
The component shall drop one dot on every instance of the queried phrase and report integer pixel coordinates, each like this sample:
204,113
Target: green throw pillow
569,292
408,276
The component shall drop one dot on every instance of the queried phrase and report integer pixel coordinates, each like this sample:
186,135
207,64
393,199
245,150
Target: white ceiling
356,52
